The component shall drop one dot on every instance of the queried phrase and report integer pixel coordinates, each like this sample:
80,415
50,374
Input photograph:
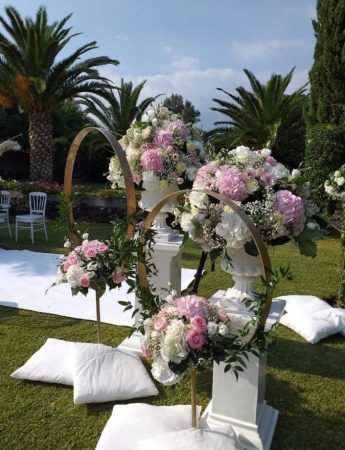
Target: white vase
245,268
149,199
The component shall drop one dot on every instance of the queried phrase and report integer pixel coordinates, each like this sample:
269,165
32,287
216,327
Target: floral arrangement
161,150
96,264
276,200
335,184
192,332
9,145
26,187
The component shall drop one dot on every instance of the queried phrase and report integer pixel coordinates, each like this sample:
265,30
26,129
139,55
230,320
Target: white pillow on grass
340,312
294,303
103,374
313,325
129,424
192,439
52,363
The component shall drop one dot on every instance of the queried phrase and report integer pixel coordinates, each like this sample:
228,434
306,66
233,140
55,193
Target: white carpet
26,275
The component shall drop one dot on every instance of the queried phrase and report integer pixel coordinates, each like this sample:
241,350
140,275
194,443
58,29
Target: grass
304,382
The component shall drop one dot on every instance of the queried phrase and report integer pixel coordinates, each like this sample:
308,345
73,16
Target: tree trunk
41,146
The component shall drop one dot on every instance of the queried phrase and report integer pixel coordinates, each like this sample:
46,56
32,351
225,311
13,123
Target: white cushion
295,302
340,312
52,363
192,439
313,325
129,424
103,374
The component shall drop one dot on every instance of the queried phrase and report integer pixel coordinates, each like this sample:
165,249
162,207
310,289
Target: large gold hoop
68,179
261,246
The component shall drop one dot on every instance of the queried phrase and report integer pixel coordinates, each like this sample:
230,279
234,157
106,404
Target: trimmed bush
324,154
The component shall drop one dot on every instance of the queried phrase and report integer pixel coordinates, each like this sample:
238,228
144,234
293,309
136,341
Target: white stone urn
150,196
245,268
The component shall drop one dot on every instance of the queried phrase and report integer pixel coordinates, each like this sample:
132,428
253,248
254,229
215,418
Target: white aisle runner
26,275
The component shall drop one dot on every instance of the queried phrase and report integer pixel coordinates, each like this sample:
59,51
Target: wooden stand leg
98,318
193,392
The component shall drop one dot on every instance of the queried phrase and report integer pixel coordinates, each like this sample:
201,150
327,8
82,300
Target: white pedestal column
167,257
241,403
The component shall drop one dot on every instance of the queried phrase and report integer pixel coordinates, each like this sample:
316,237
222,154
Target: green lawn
306,383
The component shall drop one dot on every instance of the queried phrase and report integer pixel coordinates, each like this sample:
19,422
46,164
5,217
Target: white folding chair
36,220
5,204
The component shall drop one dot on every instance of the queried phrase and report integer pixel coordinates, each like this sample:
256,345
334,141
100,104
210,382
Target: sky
191,47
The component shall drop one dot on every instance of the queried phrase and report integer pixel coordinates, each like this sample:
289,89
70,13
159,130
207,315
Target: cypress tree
327,76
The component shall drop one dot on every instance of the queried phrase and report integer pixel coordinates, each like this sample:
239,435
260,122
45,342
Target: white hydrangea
186,221
73,275
174,348
212,328
198,199
233,230
223,329
161,372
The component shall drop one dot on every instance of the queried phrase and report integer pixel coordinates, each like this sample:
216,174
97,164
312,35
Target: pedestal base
249,436
131,344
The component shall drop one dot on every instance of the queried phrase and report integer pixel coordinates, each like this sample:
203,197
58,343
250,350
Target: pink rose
271,161
118,278
199,324
90,252
84,281
72,259
102,248
195,340
160,323
65,266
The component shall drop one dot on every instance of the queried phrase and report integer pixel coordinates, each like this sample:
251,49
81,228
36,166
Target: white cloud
165,47
200,86
186,63
121,38
265,49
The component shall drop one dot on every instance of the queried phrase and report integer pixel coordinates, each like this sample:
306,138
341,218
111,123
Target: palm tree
32,77
265,117
121,109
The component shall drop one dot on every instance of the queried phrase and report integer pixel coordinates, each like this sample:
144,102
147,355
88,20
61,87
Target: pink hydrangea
163,138
205,175
178,128
191,305
271,161
195,340
291,207
232,183
152,160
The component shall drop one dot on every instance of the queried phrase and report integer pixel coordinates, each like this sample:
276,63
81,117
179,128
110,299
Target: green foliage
183,108
32,76
120,110
324,148
327,76
264,117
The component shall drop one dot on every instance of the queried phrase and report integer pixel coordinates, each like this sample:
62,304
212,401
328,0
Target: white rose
252,185
146,133
296,173
337,173
145,118
340,181
161,372
212,328
85,236
67,244
329,189
265,152
312,226
223,329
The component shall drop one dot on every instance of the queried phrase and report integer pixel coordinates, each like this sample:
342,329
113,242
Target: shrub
324,149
